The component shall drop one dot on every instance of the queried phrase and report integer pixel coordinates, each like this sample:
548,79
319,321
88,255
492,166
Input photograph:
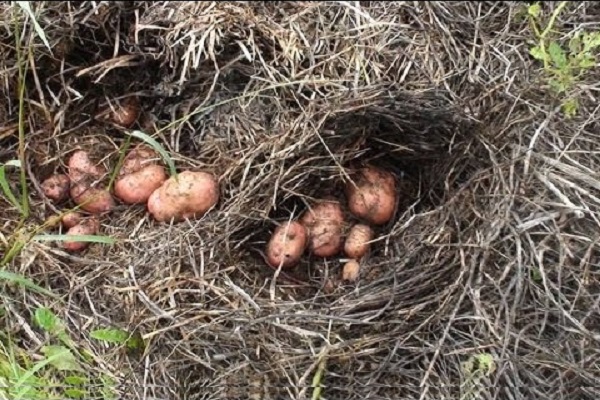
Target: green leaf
557,54
117,336
534,10
570,107
156,146
75,380
591,40
27,8
557,85
61,358
575,44
47,320
537,53
587,61
135,342
75,393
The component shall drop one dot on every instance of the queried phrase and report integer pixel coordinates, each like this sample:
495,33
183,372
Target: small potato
125,112
81,166
351,271
92,200
86,227
83,174
324,224
373,199
71,219
139,176
356,245
56,187
187,195
287,245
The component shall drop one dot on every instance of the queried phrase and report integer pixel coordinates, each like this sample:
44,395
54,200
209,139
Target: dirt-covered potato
287,244
139,176
357,241
71,219
373,199
56,187
324,223
123,112
89,226
187,195
351,271
86,190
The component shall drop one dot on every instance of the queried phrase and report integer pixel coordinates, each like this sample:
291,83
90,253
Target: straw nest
493,248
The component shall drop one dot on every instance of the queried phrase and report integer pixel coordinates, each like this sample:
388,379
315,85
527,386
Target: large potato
286,245
324,223
139,176
357,241
56,187
187,195
89,226
373,199
85,188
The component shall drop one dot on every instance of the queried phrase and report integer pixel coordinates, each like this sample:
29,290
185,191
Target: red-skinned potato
373,199
187,195
324,223
139,176
89,226
287,245
71,219
83,175
56,187
357,241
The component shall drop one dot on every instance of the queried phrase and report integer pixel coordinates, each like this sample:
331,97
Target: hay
493,250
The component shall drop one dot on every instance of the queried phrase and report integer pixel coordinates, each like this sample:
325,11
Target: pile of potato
140,180
371,197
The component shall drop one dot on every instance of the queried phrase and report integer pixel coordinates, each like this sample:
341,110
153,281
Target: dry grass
494,249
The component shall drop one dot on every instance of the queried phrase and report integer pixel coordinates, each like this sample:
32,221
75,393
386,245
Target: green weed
563,65
60,371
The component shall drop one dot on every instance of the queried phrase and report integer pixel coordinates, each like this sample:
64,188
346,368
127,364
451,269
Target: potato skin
351,271
71,219
287,245
139,176
324,224
83,173
356,245
86,227
56,187
187,195
126,113
374,197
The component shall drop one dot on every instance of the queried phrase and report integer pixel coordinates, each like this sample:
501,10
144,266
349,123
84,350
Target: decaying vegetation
484,285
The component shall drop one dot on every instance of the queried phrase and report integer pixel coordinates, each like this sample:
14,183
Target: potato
324,223
356,245
86,227
83,174
125,112
373,199
71,219
351,271
56,187
139,176
287,245
187,195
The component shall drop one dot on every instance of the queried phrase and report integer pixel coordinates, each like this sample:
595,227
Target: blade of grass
25,6
22,281
75,238
24,197
5,185
156,146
